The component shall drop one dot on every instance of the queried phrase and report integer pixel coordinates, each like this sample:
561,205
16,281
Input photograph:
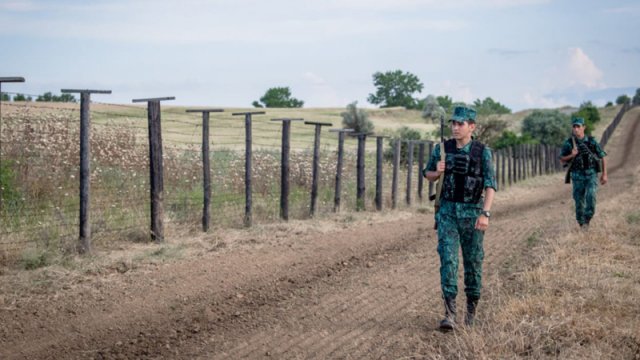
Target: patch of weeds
349,218
533,239
167,252
620,274
32,259
633,218
424,210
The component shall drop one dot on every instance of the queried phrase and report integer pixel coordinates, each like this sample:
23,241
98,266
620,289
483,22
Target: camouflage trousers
455,233
585,187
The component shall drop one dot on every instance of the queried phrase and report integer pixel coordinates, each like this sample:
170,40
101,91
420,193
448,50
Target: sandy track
370,290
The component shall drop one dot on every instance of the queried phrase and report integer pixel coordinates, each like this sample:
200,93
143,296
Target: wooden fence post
430,182
156,171
360,194
284,166
338,190
248,203
84,245
379,166
394,181
206,166
409,170
420,167
316,163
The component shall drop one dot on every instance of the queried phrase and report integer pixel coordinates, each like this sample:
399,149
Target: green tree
489,129
608,104
278,97
446,102
21,97
5,97
509,138
623,99
395,88
432,109
549,127
404,133
489,106
49,97
356,119
636,97
591,115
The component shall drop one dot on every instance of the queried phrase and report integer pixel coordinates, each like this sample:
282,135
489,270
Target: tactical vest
587,155
463,175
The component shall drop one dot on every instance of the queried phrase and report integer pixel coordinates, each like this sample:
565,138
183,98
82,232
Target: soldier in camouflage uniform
463,215
586,160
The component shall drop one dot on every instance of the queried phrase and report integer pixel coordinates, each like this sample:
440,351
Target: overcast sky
523,53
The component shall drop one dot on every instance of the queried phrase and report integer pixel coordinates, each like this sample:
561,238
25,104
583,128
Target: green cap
463,113
577,121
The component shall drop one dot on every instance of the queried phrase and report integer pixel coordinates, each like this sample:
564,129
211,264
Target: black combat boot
472,304
449,321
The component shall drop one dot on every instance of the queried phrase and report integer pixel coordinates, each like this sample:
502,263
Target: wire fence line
40,201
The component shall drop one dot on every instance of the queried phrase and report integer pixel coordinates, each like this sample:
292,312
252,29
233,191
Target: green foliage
356,119
32,259
608,104
623,99
11,197
5,97
549,127
591,116
278,97
489,129
446,102
489,106
509,138
636,97
21,97
404,133
432,109
395,88
49,97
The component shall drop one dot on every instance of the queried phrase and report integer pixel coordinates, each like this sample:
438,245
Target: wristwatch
486,213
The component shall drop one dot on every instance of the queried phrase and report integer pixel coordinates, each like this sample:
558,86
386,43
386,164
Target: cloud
582,70
536,101
457,90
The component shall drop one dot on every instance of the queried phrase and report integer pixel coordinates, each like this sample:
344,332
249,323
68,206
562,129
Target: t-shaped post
84,245
155,166
316,163
247,164
206,167
284,166
336,196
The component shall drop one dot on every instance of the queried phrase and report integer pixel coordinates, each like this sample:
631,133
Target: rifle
569,165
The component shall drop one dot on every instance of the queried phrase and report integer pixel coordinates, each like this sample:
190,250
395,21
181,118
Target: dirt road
363,288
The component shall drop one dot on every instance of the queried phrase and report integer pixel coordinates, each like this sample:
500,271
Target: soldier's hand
604,179
440,167
482,223
574,152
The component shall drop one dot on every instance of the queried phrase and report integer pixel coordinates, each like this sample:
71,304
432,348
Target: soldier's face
462,130
578,131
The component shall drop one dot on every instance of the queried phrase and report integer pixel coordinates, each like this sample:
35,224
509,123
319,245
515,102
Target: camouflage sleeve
599,152
433,160
566,148
488,171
